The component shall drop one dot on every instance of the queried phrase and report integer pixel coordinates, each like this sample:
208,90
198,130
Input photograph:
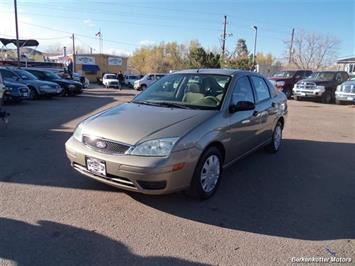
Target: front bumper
345,97
148,175
311,93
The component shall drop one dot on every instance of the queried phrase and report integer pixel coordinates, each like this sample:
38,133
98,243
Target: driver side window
243,91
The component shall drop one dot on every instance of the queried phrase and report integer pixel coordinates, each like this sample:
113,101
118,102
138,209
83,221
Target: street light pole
256,36
17,41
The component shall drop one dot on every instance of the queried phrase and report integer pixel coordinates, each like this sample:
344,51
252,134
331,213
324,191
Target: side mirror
298,77
241,106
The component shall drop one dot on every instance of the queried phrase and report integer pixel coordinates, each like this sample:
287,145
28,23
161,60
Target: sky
127,25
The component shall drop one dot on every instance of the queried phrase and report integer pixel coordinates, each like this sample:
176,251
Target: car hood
66,82
12,84
132,123
317,81
39,83
280,79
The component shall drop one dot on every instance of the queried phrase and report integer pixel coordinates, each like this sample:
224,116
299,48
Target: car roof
218,71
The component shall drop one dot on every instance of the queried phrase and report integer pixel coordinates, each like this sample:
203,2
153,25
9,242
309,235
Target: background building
93,66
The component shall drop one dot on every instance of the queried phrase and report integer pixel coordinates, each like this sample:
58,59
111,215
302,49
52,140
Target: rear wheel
207,174
327,97
275,144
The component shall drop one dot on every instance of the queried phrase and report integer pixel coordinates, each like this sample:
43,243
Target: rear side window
261,89
243,91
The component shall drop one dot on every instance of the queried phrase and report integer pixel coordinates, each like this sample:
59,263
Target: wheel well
219,146
282,120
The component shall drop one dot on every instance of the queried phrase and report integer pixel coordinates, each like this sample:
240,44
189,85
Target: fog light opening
178,166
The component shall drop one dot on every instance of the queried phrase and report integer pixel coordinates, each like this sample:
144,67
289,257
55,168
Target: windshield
110,77
25,75
284,74
200,91
52,75
322,75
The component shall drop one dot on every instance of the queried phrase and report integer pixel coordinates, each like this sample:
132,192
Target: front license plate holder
96,166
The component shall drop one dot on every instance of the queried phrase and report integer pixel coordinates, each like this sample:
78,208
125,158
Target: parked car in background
180,132
16,92
37,87
110,80
320,85
345,92
286,79
70,87
130,79
147,80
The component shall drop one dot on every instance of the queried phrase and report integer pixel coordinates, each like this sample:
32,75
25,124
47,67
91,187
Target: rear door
265,109
243,124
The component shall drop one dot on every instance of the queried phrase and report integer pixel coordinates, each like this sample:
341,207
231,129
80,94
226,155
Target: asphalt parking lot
268,209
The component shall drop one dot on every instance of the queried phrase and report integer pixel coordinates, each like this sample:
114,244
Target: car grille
348,88
306,85
113,83
105,146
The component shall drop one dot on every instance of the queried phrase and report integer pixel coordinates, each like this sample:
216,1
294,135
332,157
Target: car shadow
306,191
49,243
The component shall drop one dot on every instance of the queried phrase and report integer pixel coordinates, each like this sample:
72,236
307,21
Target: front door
243,125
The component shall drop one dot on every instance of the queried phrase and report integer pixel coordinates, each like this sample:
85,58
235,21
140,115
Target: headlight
339,88
71,86
156,147
280,83
320,87
78,133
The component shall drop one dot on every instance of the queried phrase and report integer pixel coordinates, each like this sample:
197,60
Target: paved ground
269,208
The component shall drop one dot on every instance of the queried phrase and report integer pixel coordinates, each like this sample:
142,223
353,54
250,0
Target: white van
148,79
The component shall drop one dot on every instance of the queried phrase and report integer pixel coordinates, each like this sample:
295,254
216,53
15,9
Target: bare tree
313,50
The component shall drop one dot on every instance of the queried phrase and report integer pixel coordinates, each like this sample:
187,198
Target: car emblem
100,144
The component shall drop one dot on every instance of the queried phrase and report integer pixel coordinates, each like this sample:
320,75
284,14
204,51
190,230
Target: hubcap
277,137
210,173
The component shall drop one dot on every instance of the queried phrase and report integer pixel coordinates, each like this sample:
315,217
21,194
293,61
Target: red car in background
286,79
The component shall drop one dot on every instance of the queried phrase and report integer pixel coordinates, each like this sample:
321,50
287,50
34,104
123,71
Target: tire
338,102
205,181
327,97
33,94
297,98
288,93
276,141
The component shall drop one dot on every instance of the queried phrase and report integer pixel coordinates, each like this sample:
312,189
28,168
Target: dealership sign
114,61
83,59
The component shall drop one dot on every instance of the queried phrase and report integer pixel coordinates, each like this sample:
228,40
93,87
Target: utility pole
256,36
291,46
74,56
224,36
17,41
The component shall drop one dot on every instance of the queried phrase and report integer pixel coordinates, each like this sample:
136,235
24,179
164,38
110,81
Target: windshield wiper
176,105
145,103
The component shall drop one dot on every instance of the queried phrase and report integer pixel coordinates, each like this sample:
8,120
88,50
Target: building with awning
94,66
347,64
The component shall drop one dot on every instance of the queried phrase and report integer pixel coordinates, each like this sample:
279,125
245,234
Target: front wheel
275,143
207,174
33,94
297,98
